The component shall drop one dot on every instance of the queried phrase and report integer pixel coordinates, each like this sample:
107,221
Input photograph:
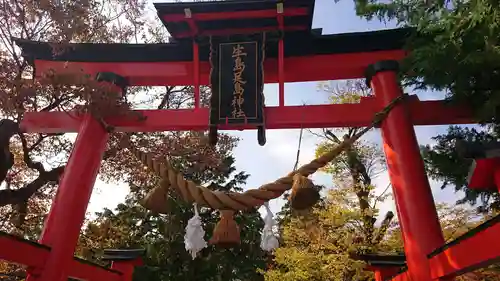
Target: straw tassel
226,233
157,199
304,194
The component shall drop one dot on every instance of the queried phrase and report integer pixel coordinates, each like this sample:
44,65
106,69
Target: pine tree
443,163
455,48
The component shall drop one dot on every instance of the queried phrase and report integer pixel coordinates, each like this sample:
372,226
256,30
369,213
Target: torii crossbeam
280,117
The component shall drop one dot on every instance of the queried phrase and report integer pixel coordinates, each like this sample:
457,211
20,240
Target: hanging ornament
269,241
226,232
157,200
304,195
194,238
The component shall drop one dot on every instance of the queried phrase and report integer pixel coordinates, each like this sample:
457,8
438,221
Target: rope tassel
157,200
304,194
226,232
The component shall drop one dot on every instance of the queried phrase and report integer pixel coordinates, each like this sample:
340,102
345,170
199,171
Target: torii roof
297,44
217,16
199,19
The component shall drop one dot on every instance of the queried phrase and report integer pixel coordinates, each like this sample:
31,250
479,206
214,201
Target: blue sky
277,157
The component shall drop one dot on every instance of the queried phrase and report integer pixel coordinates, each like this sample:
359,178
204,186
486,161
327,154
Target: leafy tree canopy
444,164
317,245
456,49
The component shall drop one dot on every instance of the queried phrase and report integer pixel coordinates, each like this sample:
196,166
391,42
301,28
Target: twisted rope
205,197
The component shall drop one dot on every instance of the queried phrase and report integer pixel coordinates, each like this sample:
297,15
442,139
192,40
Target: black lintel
297,44
381,259
122,254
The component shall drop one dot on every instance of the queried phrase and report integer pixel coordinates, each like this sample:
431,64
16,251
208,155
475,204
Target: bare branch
379,197
17,196
26,157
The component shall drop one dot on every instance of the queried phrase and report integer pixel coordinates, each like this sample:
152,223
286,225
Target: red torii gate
306,56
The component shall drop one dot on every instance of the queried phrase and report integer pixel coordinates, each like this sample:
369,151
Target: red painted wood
483,175
126,268
287,117
229,31
497,178
196,74
33,256
402,277
382,273
412,193
271,13
281,64
298,69
73,197
480,250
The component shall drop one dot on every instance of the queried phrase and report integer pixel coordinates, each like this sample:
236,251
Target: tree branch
37,142
8,128
165,98
17,196
26,157
378,199
56,103
383,227
333,136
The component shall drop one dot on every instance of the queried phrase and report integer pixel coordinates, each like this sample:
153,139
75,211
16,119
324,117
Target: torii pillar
415,205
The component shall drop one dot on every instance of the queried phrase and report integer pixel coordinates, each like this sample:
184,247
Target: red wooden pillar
115,83
49,221
68,210
124,261
382,273
125,267
496,176
415,204
196,56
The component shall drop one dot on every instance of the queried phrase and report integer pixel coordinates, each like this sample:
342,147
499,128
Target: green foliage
456,49
316,245
444,164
